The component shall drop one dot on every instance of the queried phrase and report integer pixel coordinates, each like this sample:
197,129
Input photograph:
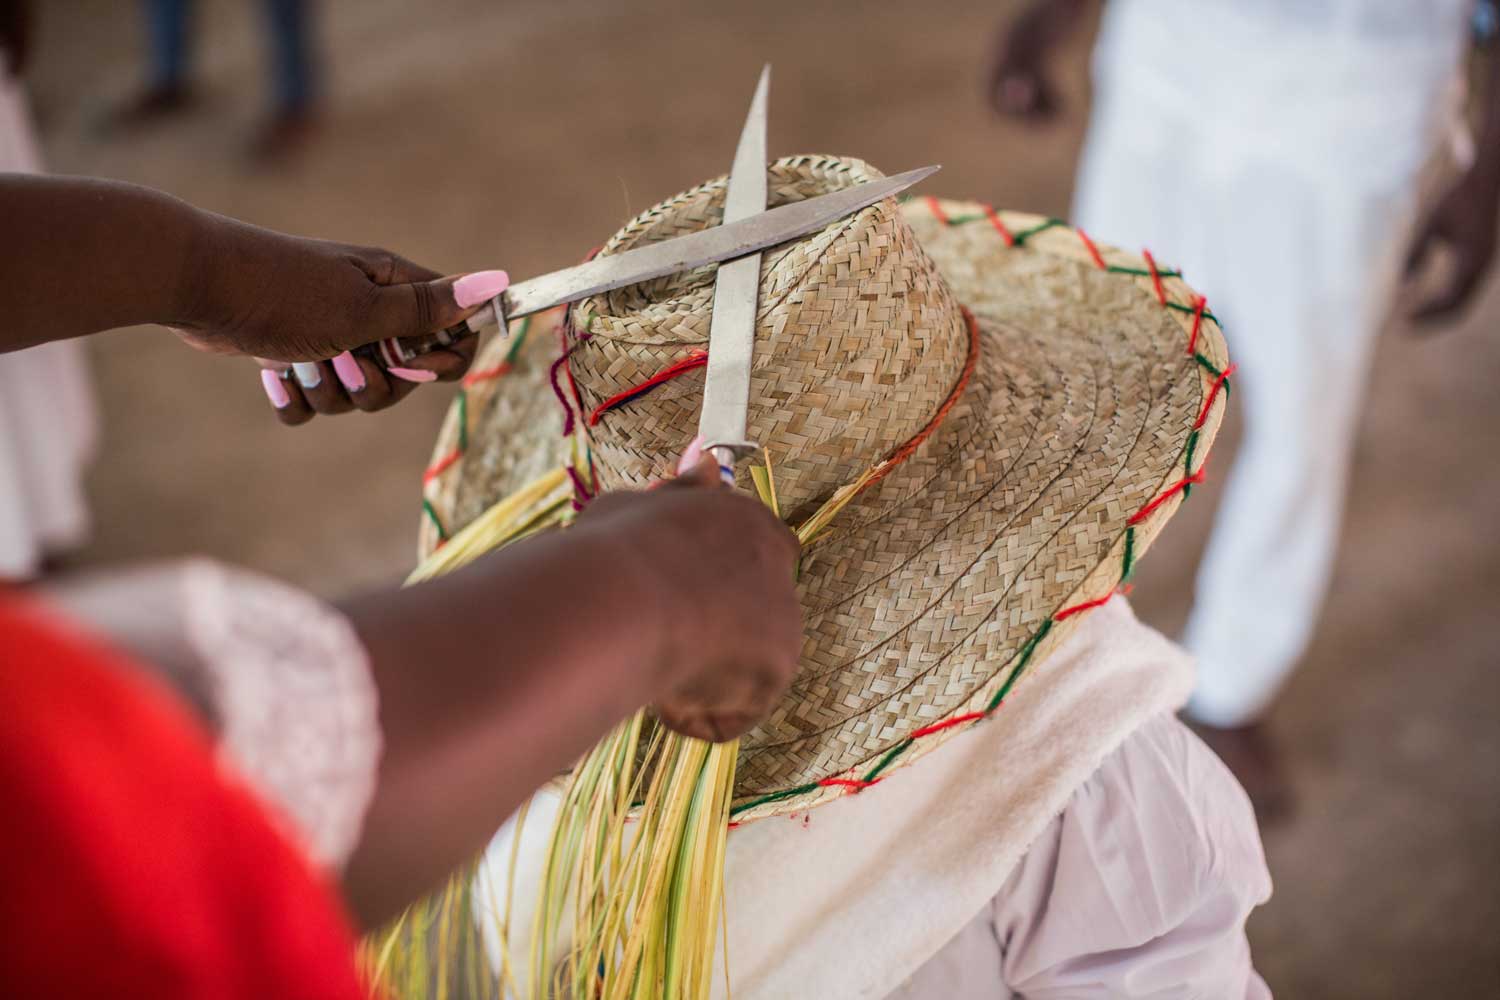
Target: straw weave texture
921,599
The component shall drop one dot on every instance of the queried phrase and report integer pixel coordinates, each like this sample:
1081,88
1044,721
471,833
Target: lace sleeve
281,675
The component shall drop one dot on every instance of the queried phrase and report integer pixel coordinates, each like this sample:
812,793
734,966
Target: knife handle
725,457
394,352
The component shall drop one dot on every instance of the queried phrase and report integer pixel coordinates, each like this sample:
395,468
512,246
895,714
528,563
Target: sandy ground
473,134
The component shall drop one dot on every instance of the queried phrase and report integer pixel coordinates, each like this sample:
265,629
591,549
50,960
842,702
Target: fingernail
275,391
691,455
414,374
309,374
348,371
472,289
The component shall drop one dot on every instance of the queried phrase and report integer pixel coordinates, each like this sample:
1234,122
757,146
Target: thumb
1420,245
416,308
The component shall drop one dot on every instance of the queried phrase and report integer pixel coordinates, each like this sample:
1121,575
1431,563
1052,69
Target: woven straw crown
858,341
1044,404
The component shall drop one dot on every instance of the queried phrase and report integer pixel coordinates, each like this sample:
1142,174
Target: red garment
132,863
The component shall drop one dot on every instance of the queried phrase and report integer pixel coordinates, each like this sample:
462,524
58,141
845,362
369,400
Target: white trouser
1299,262
47,420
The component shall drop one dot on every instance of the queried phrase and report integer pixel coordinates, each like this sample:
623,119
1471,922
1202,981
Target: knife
729,241
731,336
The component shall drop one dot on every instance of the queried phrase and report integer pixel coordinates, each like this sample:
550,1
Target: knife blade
731,339
720,243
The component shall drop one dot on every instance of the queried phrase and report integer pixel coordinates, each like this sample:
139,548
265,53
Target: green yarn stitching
773,797
1041,227
432,516
463,420
1141,272
1025,658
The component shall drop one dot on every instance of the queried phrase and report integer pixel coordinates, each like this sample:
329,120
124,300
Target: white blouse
1140,888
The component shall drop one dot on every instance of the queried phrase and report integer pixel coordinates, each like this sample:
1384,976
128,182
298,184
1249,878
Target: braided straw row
1094,399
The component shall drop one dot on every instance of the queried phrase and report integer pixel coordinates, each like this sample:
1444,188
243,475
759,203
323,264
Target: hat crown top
858,341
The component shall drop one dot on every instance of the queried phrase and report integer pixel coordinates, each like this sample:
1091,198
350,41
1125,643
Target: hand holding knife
732,240
736,245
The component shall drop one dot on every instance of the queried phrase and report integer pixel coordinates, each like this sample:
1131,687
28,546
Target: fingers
1448,302
285,396
724,701
1421,245
418,308
698,469
298,392
320,387
443,364
368,386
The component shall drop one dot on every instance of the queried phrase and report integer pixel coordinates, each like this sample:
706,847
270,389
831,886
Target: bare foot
153,105
1251,755
284,136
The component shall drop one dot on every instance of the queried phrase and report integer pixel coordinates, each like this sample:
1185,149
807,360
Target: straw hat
1041,404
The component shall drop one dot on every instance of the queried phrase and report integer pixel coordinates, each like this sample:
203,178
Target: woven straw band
1023,498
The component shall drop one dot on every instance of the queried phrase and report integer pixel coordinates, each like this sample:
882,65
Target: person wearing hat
1276,150
975,786
211,777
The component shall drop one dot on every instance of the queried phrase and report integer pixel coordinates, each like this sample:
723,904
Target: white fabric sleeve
278,674
1141,888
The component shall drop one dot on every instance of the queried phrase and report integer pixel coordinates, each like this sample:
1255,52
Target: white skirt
47,420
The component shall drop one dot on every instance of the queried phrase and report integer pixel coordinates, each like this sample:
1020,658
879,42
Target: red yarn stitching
1005,234
904,452
1161,293
1093,250
581,493
441,466
1080,608
852,783
937,210
1213,393
557,391
1197,323
485,374
695,359
1166,495
946,723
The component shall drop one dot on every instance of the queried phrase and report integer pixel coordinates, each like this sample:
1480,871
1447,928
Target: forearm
1487,160
561,659
83,255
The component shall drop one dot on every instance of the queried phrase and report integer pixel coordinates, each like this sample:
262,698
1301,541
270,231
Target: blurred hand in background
1018,81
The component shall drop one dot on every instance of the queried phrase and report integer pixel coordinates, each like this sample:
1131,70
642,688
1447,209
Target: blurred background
467,134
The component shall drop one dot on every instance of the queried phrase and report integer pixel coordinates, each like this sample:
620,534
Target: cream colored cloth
1139,889
852,898
47,420
281,677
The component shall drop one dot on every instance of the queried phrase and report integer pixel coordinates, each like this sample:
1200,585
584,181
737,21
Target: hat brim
1095,396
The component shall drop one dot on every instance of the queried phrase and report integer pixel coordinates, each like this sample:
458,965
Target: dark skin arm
496,677
1464,219
84,255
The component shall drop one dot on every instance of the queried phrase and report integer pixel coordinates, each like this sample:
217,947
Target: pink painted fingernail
472,289
275,391
348,371
690,455
413,374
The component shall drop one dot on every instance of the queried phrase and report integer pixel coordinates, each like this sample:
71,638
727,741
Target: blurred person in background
1274,150
212,778
295,72
47,418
